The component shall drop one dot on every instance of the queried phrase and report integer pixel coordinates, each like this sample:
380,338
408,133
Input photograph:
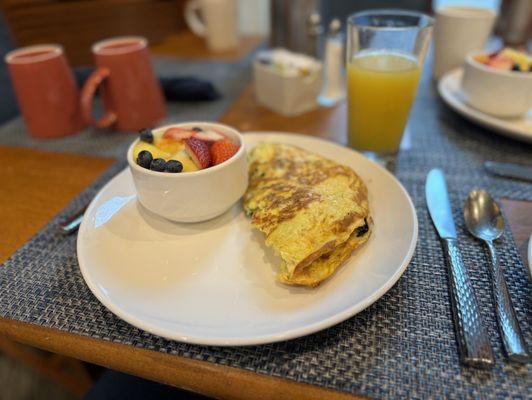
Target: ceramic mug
459,30
131,93
46,90
214,20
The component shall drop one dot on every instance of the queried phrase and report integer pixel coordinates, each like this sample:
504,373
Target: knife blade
439,204
509,170
474,347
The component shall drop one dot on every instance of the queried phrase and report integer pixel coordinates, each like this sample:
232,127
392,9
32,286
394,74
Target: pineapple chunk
482,58
188,164
155,152
517,57
169,146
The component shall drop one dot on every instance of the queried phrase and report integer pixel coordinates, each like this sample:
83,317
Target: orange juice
381,89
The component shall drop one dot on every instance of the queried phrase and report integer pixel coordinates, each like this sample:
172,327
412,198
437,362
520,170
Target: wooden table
26,203
186,44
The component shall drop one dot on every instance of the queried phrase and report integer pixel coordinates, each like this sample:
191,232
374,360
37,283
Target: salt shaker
333,87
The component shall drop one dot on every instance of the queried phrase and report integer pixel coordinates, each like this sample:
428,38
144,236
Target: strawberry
198,151
501,63
208,136
223,150
176,133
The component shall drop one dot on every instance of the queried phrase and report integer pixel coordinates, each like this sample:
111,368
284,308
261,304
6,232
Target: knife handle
512,338
474,346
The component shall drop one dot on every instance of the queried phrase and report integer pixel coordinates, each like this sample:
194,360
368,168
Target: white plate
214,282
450,89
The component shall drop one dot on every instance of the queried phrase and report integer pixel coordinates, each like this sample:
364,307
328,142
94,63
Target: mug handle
196,25
87,97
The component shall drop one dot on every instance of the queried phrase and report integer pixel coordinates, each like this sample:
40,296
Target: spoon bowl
484,220
483,216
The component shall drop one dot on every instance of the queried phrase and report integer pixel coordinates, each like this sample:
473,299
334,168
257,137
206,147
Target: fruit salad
507,60
178,149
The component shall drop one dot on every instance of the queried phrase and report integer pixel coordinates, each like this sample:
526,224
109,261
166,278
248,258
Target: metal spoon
484,220
72,223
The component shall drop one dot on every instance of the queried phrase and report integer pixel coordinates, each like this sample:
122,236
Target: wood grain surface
247,115
36,185
185,44
519,217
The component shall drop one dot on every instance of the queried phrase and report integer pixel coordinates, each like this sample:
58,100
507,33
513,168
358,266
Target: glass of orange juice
385,54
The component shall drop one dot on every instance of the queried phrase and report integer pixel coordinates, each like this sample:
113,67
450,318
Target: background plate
214,282
450,89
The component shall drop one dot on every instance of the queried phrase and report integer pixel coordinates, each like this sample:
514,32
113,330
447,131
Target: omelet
313,211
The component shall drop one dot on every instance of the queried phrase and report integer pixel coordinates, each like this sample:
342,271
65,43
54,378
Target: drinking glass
385,54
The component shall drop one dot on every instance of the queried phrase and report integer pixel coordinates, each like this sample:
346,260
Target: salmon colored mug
131,93
46,90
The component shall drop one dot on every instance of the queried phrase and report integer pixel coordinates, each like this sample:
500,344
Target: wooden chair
76,24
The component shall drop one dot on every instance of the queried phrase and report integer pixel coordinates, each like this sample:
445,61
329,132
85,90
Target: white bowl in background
192,196
496,92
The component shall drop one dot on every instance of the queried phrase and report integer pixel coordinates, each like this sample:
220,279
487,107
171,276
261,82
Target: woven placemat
401,346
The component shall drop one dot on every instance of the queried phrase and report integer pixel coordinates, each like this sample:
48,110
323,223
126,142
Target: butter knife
474,347
508,170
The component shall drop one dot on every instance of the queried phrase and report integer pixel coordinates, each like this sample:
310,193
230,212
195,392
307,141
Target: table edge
202,377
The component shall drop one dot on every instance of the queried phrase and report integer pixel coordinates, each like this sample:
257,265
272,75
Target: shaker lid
335,26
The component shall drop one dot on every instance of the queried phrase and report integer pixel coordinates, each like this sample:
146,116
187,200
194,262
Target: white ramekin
496,92
192,196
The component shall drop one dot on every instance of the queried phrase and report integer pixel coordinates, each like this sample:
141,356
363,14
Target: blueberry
173,166
516,68
144,159
265,61
158,165
197,129
146,135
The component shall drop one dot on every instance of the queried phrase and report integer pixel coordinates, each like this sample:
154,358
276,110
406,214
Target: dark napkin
186,88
